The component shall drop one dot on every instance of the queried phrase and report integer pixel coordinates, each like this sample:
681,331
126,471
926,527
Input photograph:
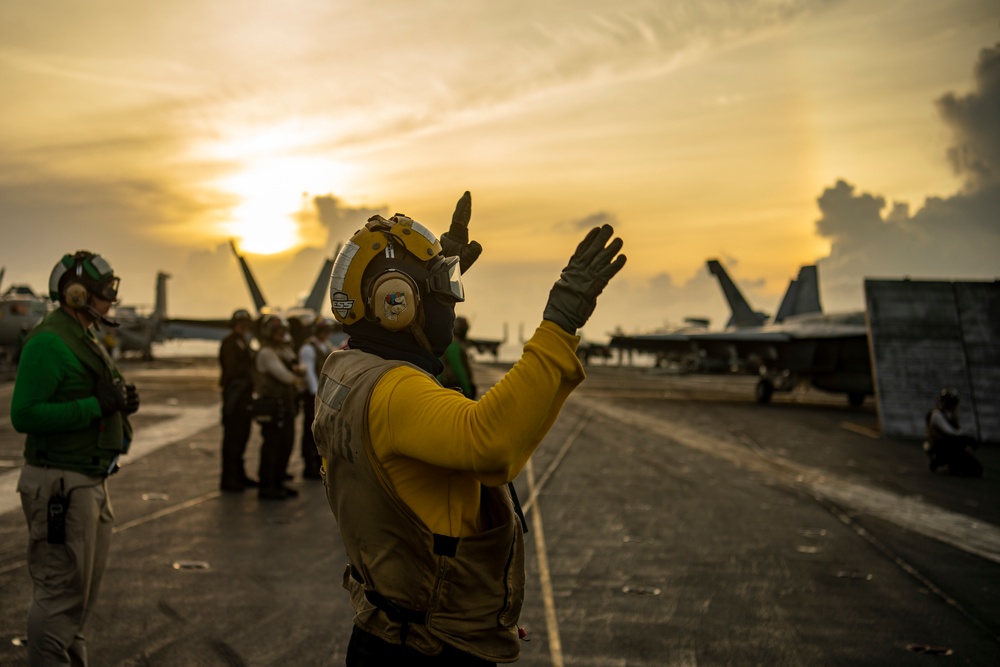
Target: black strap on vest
400,615
405,617
517,507
444,545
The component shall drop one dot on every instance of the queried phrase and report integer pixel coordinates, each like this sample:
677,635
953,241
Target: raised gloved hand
455,242
574,296
111,397
131,399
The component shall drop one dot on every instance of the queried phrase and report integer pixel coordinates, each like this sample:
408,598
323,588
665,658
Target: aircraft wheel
855,399
763,392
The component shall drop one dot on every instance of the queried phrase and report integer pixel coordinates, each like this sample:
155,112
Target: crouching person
946,445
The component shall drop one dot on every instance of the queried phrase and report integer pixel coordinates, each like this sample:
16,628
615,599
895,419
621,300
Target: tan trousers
65,577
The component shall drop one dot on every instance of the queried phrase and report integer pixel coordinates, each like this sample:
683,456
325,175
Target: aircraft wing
193,329
688,352
654,343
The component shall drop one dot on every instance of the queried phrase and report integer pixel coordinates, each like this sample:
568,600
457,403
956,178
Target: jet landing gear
772,382
763,391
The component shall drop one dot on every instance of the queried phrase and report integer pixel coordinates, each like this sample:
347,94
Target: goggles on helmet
446,279
107,290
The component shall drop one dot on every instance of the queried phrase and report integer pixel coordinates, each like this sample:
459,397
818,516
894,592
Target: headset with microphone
78,277
386,269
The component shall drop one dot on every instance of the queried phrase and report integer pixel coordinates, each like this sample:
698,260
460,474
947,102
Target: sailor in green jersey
73,403
457,373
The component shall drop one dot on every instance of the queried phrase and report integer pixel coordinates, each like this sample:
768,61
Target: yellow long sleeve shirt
438,447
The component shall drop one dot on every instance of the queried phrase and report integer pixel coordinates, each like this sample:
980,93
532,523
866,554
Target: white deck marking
545,577
957,530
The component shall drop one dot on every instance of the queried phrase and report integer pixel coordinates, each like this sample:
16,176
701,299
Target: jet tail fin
742,314
321,288
259,301
802,296
319,294
160,306
158,320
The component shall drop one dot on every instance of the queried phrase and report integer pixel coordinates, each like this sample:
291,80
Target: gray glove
574,296
455,242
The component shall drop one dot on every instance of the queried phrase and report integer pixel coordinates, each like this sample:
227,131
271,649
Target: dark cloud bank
953,237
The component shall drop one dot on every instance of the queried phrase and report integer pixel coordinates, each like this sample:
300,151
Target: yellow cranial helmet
383,271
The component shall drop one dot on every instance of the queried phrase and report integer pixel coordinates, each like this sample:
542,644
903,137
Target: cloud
952,237
544,51
975,121
588,222
112,217
342,221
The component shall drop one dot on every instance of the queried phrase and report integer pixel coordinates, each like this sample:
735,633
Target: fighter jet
804,346
20,310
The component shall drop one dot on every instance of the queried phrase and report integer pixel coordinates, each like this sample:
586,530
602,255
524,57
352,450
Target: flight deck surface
672,521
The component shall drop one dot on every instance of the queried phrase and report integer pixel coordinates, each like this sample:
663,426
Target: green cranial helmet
83,268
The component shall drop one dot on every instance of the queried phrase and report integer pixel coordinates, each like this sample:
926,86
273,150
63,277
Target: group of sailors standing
266,383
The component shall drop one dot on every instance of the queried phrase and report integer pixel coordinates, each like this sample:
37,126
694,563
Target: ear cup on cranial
75,295
393,300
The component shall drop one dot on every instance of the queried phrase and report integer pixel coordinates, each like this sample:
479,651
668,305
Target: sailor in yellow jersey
418,475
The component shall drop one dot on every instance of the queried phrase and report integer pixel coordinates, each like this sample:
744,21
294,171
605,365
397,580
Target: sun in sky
272,172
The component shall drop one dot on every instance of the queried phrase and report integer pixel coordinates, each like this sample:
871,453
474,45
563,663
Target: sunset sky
862,136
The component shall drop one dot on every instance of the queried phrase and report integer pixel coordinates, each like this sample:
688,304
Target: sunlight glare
271,185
